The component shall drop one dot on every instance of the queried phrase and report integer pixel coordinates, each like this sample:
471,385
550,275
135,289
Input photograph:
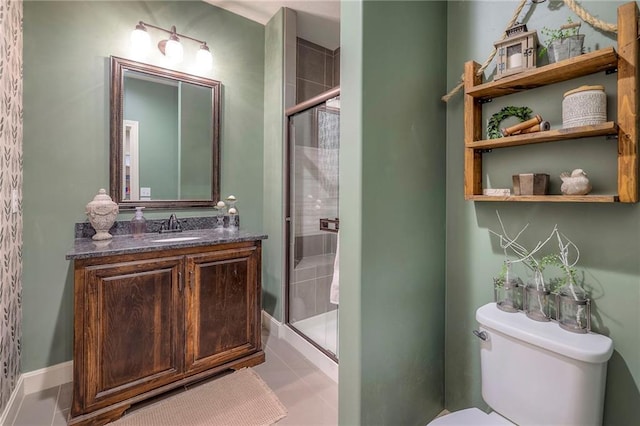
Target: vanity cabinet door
133,328
223,306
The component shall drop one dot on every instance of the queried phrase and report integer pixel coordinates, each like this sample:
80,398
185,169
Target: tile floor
311,398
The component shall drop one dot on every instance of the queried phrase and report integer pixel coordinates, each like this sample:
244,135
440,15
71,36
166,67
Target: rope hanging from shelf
589,19
572,4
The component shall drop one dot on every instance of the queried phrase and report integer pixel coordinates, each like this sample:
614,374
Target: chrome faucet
171,225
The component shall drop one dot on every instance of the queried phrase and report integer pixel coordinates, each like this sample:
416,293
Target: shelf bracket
611,137
611,71
484,151
485,100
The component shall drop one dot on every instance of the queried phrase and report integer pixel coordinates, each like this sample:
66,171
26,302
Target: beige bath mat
241,398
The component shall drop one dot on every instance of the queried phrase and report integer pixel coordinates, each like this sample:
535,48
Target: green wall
608,235
392,182
66,135
351,130
273,253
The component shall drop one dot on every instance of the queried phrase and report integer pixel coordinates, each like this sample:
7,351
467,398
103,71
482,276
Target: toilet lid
470,417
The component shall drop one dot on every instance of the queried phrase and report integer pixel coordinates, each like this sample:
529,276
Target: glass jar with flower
508,289
536,295
573,306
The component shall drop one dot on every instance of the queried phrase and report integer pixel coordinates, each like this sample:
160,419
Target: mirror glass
164,137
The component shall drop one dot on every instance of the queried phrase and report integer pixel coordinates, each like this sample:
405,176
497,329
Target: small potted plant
562,43
573,306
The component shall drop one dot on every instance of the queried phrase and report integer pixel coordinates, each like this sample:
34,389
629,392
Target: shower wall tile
325,270
304,274
330,242
316,70
311,286
311,63
328,71
310,245
336,67
303,300
308,89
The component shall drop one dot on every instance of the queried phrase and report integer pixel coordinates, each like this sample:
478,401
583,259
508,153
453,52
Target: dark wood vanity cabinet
128,328
220,315
150,322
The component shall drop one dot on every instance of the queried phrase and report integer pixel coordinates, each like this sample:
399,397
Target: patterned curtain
10,190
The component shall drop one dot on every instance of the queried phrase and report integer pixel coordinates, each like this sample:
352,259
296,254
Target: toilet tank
535,373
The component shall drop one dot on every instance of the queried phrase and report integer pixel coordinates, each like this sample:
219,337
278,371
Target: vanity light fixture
171,47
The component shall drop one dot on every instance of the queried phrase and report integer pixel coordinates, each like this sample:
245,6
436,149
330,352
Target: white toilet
535,373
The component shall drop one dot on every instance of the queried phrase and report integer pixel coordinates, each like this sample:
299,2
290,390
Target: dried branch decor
573,303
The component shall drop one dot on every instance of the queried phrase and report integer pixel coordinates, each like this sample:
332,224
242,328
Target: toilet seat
470,417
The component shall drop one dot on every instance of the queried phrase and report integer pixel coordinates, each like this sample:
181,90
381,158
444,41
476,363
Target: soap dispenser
138,224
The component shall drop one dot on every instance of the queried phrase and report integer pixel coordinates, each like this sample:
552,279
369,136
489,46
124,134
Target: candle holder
517,52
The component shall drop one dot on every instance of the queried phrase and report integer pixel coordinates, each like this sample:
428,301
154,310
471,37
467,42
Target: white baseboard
48,377
35,381
315,356
271,324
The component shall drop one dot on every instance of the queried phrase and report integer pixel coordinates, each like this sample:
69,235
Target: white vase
102,212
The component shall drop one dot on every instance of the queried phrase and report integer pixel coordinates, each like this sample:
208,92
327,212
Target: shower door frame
301,107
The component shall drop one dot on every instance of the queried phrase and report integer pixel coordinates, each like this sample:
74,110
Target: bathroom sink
174,239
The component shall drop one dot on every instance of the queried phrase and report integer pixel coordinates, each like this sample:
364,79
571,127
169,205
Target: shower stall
313,145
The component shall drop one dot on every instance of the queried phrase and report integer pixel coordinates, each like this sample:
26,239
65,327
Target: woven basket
584,106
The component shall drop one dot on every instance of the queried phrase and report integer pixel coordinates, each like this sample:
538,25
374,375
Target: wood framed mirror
164,137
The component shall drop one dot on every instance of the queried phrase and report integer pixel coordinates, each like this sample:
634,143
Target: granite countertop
84,248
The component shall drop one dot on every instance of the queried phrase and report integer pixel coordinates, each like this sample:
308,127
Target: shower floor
322,329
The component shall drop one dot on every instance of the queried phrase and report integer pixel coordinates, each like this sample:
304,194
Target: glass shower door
314,143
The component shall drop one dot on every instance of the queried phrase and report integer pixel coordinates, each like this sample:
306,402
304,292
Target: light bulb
204,58
173,50
140,41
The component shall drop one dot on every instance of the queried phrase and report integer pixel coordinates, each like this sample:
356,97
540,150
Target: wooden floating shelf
625,61
605,129
579,66
548,198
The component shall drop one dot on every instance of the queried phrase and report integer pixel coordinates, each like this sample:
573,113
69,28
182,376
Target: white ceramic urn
102,212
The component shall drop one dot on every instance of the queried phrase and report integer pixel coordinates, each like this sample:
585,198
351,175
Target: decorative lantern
517,52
